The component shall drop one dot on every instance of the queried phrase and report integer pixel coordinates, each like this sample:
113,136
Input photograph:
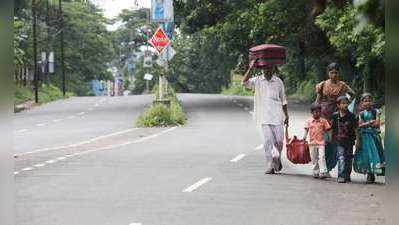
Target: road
81,162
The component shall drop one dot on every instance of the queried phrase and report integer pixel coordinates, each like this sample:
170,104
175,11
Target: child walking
369,158
344,134
317,127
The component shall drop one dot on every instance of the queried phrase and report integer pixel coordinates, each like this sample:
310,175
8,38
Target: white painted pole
160,88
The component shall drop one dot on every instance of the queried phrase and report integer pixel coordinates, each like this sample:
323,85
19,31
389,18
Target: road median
162,115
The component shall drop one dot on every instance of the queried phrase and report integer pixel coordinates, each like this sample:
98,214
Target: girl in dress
369,158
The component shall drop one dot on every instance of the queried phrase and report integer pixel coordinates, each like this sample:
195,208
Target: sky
113,7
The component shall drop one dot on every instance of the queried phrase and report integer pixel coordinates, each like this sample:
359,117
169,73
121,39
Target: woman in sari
327,93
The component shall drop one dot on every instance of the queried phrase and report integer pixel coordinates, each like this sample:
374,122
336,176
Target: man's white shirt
268,100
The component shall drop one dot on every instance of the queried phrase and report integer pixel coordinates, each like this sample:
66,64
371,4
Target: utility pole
35,68
46,70
61,27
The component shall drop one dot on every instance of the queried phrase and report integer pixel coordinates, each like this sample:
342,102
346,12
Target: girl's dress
369,159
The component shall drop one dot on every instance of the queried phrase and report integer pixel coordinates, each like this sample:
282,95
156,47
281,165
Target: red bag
297,149
268,54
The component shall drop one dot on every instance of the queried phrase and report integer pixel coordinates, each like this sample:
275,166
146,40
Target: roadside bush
306,91
47,93
159,115
236,88
23,94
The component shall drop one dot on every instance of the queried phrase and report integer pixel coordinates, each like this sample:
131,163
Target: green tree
364,42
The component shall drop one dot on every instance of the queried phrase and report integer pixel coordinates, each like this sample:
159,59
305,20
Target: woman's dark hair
333,66
341,98
366,95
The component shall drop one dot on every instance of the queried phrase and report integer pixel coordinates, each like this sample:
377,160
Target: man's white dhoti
273,141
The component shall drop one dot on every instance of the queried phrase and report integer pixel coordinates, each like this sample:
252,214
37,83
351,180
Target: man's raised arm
247,74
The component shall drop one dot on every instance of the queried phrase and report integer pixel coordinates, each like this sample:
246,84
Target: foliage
47,93
345,33
358,40
236,88
23,94
200,64
87,43
305,91
315,34
160,115
19,37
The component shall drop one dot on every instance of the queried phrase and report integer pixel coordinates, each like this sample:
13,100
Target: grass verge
236,88
47,93
160,115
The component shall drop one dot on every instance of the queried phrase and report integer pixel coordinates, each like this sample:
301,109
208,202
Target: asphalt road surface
81,161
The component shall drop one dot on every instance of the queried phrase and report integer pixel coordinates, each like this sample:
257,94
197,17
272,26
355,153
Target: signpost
162,13
160,41
148,76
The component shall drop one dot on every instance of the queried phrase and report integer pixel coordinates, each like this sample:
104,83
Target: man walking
270,108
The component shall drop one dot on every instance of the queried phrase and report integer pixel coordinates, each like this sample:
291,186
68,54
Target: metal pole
166,80
46,71
35,68
160,88
61,26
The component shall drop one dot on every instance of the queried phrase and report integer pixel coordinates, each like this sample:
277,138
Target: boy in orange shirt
317,127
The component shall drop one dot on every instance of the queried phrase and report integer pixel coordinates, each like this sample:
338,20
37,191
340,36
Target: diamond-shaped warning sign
160,41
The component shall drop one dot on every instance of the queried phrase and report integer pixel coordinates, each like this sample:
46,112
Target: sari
328,93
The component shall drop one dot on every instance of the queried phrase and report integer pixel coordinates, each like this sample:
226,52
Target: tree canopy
314,32
88,44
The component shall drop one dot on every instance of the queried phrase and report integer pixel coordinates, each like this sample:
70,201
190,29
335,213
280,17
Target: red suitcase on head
268,54
297,149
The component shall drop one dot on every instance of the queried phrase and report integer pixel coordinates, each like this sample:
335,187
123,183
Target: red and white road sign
160,40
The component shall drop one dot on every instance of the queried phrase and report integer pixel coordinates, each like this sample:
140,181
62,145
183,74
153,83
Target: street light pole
35,68
61,26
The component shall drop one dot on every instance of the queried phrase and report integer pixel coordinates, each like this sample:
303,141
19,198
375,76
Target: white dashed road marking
81,113
41,124
197,185
77,144
70,117
57,120
238,158
99,149
21,131
134,223
39,165
259,147
51,161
